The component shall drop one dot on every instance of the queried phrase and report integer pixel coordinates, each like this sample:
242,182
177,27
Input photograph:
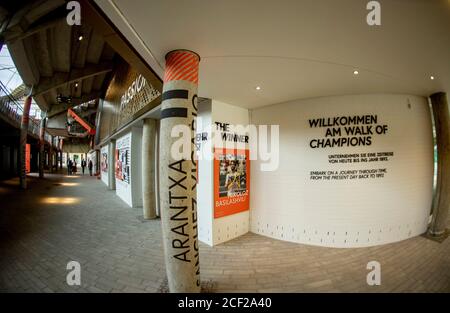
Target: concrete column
148,169
178,172
41,148
17,156
2,167
442,125
50,157
60,159
12,167
97,162
23,141
112,164
157,169
67,158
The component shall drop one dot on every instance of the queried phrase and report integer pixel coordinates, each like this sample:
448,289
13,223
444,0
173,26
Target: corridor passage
64,218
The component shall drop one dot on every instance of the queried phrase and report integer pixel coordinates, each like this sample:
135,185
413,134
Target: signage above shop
129,95
132,91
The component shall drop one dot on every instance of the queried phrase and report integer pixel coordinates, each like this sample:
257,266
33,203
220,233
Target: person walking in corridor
69,167
90,167
83,165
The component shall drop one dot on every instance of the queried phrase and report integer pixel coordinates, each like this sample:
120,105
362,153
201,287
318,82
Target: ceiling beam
62,107
59,78
11,37
30,13
86,113
42,103
94,16
21,53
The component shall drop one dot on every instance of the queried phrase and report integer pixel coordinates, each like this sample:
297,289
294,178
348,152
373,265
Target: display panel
353,171
122,168
231,181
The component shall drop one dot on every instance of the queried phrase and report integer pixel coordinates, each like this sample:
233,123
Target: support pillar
442,124
23,141
112,164
17,156
178,172
2,167
12,162
67,159
97,162
60,159
51,155
148,169
41,147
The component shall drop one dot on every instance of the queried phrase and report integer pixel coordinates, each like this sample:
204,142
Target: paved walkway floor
62,218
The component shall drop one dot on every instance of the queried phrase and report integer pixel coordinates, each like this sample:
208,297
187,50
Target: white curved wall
286,204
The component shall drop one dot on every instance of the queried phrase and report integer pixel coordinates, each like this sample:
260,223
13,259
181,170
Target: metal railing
12,110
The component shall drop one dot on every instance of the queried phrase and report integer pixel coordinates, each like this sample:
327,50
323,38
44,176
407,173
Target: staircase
11,112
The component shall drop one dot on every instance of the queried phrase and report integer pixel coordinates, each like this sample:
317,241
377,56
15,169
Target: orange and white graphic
182,65
231,181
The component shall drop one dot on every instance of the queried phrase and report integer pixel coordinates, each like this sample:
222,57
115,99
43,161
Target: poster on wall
104,161
231,181
123,159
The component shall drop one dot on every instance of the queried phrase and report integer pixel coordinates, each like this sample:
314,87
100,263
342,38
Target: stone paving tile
120,252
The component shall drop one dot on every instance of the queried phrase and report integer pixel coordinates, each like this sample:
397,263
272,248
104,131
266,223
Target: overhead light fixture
432,77
76,85
62,99
355,72
80,38
258,88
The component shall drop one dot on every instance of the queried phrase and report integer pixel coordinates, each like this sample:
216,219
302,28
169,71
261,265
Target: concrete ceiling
294,49
50,57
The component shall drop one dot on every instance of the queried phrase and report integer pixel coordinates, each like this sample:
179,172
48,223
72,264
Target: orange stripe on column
187,68
174,56
174,61
191,73
178,65
187,74
182,74
194,77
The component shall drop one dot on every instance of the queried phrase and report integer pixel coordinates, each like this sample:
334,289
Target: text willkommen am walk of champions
345,131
